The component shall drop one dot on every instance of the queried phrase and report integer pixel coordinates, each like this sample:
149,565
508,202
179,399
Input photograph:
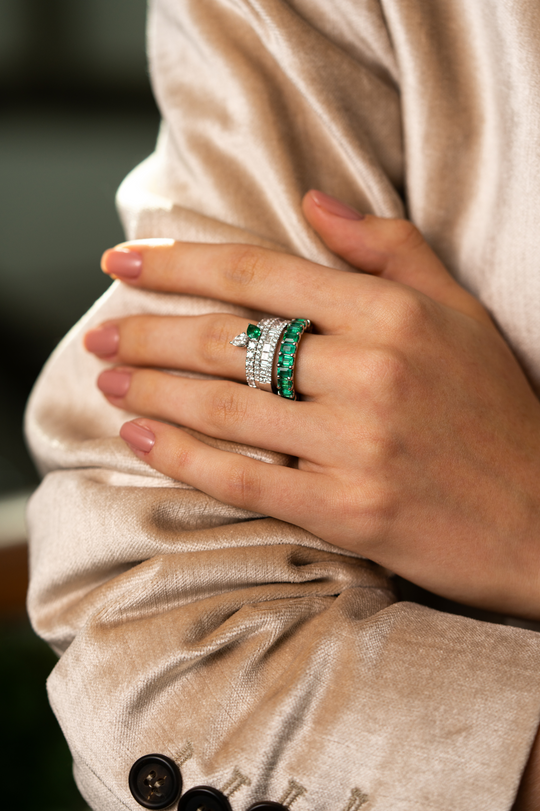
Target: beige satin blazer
264,662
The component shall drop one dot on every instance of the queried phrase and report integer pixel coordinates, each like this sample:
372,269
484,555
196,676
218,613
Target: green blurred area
76,115
32,741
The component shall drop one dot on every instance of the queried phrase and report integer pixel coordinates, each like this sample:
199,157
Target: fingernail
102,341
335,207
122,262
137,437
114,383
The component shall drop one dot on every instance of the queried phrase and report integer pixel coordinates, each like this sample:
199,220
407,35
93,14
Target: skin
418,434
427,451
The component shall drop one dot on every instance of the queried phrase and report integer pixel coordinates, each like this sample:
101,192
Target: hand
418,438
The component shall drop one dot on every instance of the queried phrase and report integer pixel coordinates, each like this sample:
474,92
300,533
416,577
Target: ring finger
199,344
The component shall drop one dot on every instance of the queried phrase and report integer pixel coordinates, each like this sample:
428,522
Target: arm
167,605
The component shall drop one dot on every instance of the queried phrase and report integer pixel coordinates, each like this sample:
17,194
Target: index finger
258,278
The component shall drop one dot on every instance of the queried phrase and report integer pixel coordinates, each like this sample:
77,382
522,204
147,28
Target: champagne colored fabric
266,662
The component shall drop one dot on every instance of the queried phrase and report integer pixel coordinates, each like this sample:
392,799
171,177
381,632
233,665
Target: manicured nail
137,437
114,383
335,207
122,262
103,341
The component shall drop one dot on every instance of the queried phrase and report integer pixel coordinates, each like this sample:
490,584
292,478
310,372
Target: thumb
390,248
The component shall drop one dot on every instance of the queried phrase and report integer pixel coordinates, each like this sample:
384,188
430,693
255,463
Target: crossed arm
418,437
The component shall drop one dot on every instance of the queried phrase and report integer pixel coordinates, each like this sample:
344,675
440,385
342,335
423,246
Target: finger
231,478
269,281
223,410
390,248
202,344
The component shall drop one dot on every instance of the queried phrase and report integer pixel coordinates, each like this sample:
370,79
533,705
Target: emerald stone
253,331
286,360
293,330
288,349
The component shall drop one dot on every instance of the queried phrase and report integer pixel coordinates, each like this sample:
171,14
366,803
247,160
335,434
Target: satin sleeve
265,662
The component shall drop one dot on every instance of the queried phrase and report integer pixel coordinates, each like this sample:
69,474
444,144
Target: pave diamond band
272,330
261,343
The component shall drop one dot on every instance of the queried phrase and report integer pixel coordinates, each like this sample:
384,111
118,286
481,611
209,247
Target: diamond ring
261,342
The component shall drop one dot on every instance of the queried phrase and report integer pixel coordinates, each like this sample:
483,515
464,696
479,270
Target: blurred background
77,114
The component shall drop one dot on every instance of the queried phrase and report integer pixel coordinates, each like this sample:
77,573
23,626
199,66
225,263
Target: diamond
240,340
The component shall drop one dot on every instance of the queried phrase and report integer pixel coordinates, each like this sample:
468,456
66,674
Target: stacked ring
272,330
287,356
261,342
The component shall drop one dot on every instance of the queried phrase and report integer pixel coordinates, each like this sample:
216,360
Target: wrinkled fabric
265,661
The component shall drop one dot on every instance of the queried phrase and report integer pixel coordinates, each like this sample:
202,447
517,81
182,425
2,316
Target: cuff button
155,781
267,805
204,798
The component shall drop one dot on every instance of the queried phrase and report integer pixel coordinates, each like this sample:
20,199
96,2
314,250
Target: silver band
261,343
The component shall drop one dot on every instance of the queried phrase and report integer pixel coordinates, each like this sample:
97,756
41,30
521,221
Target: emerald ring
261,342
287,356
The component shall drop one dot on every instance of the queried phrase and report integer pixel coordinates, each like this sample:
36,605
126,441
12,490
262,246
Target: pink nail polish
139,438
122,262
335,207
102,341
114,383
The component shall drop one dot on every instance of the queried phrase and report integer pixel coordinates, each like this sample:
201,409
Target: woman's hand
418,437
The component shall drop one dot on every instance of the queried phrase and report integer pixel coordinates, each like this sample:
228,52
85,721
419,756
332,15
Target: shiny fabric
266,662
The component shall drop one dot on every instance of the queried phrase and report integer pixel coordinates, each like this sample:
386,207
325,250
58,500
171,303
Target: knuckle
182,458
378,510
242,485
406,236
216,334
246,263
385,370
370,507
408,314
225,407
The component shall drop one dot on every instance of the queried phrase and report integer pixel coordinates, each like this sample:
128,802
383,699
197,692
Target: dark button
204,798
267,805
155,781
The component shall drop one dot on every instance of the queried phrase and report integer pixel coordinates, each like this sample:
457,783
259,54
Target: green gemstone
288,349
253,332
286,360
293,330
